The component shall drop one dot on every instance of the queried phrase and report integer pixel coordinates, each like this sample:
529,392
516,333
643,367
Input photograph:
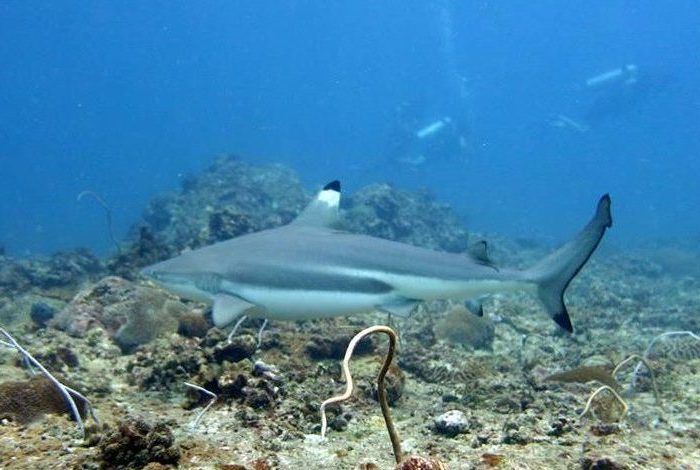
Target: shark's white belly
280,303
284,304
433,289
428,288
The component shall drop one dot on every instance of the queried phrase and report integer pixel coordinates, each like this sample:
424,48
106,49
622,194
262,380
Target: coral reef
61,274
145,249
28,400
266,415
134,444
416,218
132,314
222,368
41,313
168,361
228,199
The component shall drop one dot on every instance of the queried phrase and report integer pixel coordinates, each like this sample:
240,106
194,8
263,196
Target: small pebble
451,423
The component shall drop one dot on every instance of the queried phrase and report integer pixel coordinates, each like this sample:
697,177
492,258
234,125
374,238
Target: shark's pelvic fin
228,307
400,308
553,274
322,211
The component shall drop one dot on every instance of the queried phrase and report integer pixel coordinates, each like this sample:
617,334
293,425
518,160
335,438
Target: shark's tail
554,273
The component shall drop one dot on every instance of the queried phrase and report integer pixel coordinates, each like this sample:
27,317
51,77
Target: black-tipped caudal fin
553,274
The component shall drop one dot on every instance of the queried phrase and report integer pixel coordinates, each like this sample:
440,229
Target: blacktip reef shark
307,269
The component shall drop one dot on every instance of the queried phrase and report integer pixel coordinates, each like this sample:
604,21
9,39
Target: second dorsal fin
479,252
322,211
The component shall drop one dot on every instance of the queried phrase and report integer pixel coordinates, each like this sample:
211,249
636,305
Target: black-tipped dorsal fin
322,211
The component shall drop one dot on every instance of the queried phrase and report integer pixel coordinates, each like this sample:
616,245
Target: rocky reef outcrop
228,199
416,218
130,313
60,274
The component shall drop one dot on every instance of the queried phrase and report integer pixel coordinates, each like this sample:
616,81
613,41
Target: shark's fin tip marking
604,210
562,319
322,211
332,186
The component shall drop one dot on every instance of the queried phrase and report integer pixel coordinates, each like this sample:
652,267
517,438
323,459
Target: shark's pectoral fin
322,211
228,307
400,307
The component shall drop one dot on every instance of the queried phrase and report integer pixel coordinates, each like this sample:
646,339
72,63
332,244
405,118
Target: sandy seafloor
618,303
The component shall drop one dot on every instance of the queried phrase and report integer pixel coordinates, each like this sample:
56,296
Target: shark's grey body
309,270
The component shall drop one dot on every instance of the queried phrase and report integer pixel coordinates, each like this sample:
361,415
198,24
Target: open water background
124,98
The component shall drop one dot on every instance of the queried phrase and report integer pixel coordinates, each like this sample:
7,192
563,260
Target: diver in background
434,132
614,93
625,76
622,91
419,138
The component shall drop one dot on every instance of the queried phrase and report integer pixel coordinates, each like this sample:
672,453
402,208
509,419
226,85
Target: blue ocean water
124,98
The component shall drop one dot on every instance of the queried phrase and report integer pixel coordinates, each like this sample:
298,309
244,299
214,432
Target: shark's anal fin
322,211
228,307
475,306
400,308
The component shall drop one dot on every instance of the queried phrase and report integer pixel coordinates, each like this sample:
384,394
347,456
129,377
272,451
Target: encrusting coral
34,402
134,443
28,400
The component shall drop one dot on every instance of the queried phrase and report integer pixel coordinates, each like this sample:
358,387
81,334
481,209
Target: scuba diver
418,139
614,93
625,76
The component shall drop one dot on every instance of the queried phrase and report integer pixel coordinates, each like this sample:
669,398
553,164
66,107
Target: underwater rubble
506,390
